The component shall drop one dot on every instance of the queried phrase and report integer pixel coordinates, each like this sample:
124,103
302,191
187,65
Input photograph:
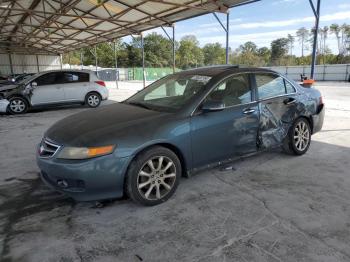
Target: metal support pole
61,62
96,58
37,64
81,60
172,41
314,46
226,29
116,64
11,65
227,35
174,48
143,62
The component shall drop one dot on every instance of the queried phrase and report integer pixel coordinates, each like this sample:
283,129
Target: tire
18,105
93,99
299,138
151,186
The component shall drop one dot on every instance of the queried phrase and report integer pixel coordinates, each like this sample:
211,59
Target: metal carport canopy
58,26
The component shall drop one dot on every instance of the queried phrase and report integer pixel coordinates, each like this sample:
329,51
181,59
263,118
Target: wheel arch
309,119
19,95
91,92
177,151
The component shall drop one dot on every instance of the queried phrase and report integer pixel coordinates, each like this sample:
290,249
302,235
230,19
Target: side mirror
34,84
212,106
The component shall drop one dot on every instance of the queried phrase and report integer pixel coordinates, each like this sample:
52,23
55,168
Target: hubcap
156,178
93,100
301,136
17,105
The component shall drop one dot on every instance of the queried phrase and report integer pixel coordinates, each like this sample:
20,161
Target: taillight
101,83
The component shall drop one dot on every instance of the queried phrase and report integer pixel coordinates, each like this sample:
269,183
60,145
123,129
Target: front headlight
84,152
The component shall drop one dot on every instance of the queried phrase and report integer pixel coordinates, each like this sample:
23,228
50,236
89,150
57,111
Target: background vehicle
15,79
54,88
178,125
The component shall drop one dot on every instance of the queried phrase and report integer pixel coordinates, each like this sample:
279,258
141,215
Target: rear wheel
17,105
299,137
93,99
153,176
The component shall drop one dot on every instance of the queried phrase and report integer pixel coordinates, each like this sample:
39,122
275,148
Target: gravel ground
269,207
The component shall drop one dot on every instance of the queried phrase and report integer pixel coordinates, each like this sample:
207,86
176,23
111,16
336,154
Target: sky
264,21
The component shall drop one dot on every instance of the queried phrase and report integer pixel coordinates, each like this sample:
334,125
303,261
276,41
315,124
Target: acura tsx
175,127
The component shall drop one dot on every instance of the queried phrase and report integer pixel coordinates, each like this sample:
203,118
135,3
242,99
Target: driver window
235,90
47,79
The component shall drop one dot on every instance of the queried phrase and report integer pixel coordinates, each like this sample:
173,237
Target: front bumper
85,180
317,119
3,105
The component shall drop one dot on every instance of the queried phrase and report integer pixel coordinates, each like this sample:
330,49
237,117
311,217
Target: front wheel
17,105
299,137
153,176
93,100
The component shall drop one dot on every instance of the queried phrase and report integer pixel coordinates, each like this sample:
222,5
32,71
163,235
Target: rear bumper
94,179
317,119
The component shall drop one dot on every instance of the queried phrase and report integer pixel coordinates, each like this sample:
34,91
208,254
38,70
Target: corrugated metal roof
57,26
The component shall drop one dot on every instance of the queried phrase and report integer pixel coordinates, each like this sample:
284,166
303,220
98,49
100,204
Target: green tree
303,35
248,47
189,53
158,50
213,54
335,29
265,54
279,48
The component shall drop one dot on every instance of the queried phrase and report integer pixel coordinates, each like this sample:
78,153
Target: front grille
47,148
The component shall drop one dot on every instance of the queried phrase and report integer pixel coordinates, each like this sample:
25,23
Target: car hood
5,86
103,126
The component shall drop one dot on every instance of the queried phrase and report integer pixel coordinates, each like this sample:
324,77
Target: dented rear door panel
276,117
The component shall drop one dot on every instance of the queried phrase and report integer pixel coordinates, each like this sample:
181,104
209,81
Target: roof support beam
227,31
314,46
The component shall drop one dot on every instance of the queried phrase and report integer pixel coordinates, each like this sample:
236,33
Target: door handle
289,101
248,111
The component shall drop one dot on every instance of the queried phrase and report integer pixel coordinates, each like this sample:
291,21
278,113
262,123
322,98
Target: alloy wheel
17,106
93,100
301,136
156,178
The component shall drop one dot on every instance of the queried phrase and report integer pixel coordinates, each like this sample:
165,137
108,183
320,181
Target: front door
48,89
218,136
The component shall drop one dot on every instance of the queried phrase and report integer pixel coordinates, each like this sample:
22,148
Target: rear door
218,136
75,85
48,90
278,104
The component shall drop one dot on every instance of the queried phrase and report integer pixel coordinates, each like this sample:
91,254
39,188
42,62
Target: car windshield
170,93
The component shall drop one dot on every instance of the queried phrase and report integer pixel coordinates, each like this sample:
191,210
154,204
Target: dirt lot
269,207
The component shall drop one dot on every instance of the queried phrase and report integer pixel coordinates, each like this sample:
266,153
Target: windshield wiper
139,104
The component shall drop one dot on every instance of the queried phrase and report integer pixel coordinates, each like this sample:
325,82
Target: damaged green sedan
175,127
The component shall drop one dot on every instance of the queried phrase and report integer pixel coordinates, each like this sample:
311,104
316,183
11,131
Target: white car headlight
84,152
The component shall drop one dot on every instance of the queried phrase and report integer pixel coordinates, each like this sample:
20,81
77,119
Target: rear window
75,77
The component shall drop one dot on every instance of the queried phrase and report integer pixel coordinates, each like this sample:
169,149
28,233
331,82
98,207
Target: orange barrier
308,82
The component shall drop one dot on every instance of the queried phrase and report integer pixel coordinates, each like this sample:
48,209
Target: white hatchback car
54,88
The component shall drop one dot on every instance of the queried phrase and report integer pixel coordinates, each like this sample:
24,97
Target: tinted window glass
233,91
75,77
269,85
289,87
47,79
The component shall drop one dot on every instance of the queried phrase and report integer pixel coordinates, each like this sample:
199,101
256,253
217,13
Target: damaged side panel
278,114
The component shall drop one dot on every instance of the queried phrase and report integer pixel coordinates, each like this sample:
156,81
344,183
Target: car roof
68,70
219,69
